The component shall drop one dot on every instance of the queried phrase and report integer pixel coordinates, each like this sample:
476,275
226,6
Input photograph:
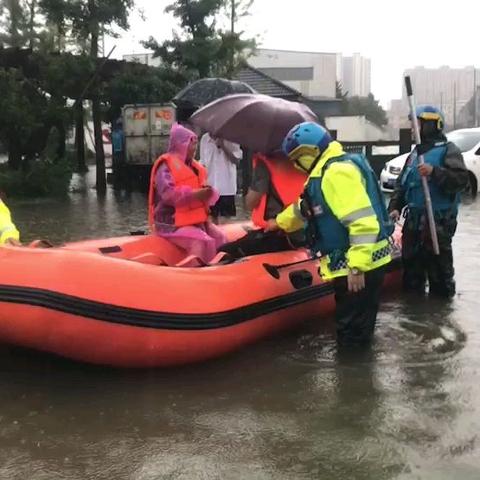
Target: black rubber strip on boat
113,249
160,320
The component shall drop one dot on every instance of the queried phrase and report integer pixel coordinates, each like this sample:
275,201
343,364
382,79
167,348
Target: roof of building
265,84
295,51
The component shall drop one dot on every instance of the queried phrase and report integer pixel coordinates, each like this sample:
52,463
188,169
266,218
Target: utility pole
441,101
454,105
475,99
232,34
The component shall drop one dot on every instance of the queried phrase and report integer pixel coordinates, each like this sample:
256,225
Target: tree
14,26
20,26
202,49
87,19
364,106
339,93
138,83
368,107
466,116
26,118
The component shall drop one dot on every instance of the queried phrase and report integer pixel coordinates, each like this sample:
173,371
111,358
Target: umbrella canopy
255,121
207,90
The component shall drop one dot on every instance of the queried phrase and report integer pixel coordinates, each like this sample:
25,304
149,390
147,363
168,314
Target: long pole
421,161
232,32
475,99
454,105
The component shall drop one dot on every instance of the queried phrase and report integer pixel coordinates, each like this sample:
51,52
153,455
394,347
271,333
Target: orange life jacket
287,181
183,176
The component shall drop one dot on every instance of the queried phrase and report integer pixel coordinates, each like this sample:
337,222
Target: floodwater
286,408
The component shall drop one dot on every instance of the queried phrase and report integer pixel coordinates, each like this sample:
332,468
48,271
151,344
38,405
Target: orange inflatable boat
114,302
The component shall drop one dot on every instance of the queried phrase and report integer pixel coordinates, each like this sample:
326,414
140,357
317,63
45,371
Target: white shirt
222,173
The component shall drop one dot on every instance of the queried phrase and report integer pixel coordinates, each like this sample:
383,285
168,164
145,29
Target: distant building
355,75
447,88
397,114
146,58
266,85
313,74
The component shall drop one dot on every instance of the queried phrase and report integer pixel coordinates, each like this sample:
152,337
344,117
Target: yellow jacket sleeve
7,228
344,189
291,219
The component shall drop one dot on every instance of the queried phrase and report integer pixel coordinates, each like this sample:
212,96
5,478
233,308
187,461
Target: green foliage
61,75
83,17
369,107
23,111
202,49
20,26
139,84
13,27
364,106
339,93
44,177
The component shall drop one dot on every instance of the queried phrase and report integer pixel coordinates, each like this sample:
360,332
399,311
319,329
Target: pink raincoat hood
180,140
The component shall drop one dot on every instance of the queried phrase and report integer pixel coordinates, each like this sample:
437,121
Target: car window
464,140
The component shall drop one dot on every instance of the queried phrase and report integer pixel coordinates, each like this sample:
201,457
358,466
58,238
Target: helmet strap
315,162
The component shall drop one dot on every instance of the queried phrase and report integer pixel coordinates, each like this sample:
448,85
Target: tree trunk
101,182
31,26
14,156
80,139
62,140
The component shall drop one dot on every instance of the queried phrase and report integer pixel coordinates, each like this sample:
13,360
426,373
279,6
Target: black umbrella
207,90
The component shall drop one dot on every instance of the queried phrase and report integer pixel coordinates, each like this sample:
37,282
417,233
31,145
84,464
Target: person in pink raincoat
179,198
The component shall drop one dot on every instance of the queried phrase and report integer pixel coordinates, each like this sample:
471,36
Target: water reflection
287,408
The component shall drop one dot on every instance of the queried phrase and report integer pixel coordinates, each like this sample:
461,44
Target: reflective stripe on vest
332,268
333,233
182,175
412,183
288,183
10,228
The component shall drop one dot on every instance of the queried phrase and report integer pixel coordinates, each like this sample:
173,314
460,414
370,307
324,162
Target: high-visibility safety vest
194,176
345,214
287,182
7,227
412,184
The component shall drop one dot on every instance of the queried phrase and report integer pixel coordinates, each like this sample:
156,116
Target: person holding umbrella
447,176
221,158
260,123
347,223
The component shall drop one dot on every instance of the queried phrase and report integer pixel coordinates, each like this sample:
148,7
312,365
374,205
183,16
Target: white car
391,171
466,139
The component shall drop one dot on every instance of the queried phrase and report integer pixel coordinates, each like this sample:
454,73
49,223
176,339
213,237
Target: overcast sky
395,34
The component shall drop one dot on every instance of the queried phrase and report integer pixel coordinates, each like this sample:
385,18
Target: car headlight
394,170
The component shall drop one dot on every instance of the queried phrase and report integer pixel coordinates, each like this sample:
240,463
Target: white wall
324,69
355,129
444,87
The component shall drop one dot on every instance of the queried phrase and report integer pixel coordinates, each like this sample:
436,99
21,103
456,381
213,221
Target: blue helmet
306,134
428,112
